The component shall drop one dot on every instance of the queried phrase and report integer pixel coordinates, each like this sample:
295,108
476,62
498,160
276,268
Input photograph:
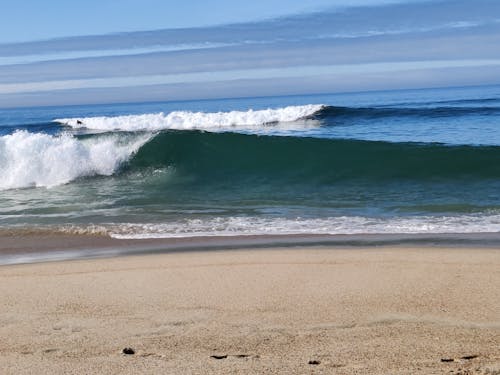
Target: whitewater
185,120
37,159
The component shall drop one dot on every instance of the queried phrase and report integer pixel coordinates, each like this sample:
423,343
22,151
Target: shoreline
37,248
376,310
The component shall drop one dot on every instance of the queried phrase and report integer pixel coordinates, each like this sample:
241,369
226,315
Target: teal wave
336,113
230,155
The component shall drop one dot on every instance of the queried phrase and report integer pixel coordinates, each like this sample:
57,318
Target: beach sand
378,310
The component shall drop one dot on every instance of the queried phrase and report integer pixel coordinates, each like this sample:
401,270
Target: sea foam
341,225
180,120
37,159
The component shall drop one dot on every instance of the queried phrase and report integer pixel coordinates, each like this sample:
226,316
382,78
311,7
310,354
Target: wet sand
375,310
29,246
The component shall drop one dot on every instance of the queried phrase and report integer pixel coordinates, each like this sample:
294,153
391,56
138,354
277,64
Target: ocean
395,162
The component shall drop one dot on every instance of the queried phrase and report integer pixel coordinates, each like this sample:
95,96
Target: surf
39,159
186,120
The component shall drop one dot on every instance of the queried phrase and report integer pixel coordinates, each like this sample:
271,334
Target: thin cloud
414,37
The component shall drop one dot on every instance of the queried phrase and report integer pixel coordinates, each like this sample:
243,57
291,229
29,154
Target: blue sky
59,52
34,19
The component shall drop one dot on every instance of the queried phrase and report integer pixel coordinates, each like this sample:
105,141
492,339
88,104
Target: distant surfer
78,122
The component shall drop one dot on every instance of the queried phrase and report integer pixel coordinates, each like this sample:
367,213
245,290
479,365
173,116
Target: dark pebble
218,356
314,362
469,356
128,351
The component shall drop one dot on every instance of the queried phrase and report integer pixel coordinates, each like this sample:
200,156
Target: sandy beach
262,187
297,310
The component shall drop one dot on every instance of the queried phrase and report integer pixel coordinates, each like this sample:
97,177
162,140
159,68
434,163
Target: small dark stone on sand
242,355
314,362
447,359
218,356
128,351
469,356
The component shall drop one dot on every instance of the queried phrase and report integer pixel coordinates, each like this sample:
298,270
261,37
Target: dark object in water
78,122
128,351
314,362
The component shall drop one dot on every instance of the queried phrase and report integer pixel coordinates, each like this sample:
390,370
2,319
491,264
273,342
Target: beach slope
302,310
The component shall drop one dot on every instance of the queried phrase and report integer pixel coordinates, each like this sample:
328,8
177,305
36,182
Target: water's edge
49,248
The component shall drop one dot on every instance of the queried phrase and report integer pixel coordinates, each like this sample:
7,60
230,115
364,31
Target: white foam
234,226
36,159
180,120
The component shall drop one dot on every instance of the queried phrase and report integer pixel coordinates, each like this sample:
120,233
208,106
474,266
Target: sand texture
284,311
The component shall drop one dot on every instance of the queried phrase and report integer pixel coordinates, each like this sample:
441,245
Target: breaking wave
180,120
38,159
209,146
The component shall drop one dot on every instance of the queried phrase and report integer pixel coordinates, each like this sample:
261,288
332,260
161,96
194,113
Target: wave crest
182,120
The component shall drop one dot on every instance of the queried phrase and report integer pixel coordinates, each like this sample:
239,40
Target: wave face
37,159
313,160
180,120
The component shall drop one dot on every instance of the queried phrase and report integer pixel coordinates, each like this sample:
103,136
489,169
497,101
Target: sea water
415,161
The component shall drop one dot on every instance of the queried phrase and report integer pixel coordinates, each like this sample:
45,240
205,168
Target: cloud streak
232,75
353,42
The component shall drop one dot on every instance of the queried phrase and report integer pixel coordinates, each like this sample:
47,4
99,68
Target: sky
103,51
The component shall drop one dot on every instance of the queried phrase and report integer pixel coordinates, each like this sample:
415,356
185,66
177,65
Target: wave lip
185,120
38,159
